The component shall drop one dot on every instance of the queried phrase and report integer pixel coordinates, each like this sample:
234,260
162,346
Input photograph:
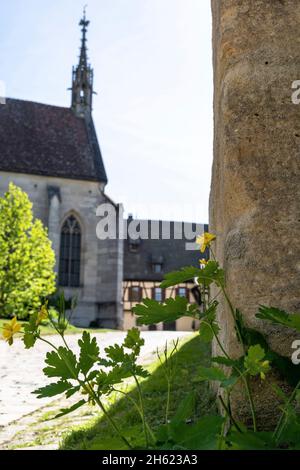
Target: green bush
26,257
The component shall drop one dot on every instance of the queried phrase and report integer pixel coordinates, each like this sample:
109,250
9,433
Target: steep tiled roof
140,256
48,140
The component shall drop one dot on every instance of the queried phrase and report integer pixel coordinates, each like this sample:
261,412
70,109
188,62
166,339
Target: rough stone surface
255,194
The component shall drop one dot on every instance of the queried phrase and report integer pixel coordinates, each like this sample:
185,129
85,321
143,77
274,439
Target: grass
98,435
49,330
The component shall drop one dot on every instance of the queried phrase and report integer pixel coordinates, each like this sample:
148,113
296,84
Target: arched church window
70,253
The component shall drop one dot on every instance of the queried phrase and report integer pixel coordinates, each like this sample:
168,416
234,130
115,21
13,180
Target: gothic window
70,251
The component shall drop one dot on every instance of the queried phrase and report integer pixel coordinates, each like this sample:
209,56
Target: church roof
48,140
142,256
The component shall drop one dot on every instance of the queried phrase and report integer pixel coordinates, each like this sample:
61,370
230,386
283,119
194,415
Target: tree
26,256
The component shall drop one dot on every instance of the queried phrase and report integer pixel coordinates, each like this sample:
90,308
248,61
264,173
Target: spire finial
82,88
84,22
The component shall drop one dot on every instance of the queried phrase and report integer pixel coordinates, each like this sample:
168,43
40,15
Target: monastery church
53,154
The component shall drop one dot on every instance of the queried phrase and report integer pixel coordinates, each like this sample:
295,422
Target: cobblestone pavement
21,373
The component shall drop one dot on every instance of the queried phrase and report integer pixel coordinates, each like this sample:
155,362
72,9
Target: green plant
228,372
26,257
96,377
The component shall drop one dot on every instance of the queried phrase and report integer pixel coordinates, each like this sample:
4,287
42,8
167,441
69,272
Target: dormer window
157,268
134,245
157,264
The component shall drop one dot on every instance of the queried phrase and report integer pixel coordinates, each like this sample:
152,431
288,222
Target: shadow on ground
99,435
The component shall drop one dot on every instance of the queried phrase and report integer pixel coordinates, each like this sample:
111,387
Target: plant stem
251,402
282,421
142,409
48,342
168,400
240,338
228,412
139,411
111,421
90,391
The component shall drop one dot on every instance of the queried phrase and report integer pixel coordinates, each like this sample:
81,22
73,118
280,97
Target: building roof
48,140
141,256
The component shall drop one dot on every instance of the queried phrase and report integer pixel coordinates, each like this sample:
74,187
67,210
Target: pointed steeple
82,77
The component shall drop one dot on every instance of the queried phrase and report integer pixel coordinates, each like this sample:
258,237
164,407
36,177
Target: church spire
82,77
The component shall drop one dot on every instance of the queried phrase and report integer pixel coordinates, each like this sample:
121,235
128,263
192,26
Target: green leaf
162,434
211,273
134,341
289,435
53,389
206,276
206,332
29,340
185,409
72,391
230,381
115,353
280,393
224,361
287,370
255,353
89,352
62,364
152,312
106,380
139,371
212,373
254,363
211,312
177,277
218,375
203,435
251,441
65,411
280,317
208,326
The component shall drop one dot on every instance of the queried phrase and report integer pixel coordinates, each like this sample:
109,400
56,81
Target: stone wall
255,193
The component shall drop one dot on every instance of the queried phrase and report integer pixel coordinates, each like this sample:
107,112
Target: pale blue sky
153,74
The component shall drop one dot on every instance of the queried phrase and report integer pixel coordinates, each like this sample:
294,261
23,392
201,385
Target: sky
152,61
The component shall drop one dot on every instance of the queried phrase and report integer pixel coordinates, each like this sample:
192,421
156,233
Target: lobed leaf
185,409
53,389
62,364
151,312
177,277
65,411
277,316
89,352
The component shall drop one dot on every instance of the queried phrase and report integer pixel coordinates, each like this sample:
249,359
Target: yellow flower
203,261
266,366
205,240
10,329
42,315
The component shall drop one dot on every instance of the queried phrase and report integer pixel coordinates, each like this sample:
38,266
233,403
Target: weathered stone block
255,193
